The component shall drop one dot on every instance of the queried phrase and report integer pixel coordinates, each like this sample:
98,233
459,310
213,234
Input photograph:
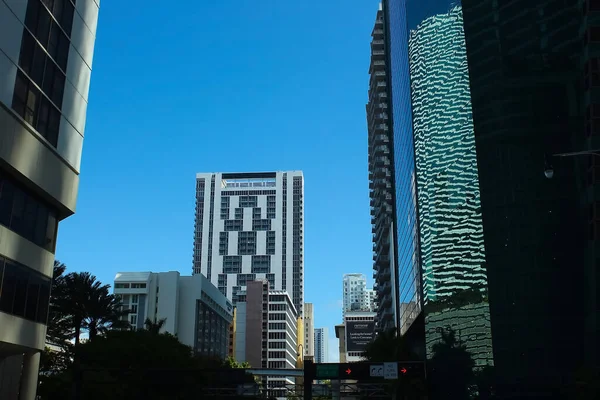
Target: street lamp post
549,169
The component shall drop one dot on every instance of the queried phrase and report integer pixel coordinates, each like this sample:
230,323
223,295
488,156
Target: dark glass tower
484,92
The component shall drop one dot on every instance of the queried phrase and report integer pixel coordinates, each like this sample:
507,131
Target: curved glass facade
441,253
484,92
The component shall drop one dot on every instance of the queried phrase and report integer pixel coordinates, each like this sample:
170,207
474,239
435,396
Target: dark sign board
359,334
363,370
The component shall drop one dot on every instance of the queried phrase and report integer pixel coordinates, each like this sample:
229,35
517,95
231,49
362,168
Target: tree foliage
79,302
450,369
118,363
125,364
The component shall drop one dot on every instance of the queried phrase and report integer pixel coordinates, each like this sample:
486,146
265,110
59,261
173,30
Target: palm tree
104,312
59,330
155,326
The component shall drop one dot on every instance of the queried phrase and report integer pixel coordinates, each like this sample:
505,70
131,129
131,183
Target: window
38,16
261,264
133,320
134,298
248,201
134,309
23,291
271,242
138,285
232,264
223,243
26,215
36,109
243,279
121,285
261,224
247,243
233,225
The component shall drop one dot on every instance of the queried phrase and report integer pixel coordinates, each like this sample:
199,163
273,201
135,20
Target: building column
29,376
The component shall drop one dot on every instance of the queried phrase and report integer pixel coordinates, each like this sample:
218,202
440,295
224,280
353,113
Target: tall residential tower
46,52
355,295
250,226
381,180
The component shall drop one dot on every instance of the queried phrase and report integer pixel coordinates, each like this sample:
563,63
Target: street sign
364,370
390,370
376,370
326,371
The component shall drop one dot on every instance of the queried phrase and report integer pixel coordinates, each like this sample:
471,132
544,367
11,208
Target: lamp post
549,169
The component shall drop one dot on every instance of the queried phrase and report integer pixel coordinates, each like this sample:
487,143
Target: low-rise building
267,331
192,307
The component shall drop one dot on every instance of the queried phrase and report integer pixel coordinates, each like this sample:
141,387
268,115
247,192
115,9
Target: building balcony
377,43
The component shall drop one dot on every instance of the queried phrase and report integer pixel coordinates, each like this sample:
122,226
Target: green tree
154,326
59,331
141,364
230,362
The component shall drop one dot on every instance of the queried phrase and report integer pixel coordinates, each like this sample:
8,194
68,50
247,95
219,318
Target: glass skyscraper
483,93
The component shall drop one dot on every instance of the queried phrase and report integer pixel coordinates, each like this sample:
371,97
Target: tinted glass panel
26,215
24,292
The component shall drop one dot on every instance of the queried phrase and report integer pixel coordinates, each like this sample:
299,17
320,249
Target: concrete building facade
267,330
250,226
193,308
309,330
46,54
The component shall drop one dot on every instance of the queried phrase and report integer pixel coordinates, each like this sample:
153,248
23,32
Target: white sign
390,370
376,370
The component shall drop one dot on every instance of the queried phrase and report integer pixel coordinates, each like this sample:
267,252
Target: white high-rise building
321,345
250,226
46,55
309,330
356,296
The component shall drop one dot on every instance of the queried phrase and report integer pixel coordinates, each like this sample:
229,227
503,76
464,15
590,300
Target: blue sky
228,85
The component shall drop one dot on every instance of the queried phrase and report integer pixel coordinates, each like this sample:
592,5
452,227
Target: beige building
44,85
309,330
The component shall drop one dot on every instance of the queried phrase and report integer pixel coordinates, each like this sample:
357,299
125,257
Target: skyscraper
381,179
483,93
356,296
321,345
250,226
46,52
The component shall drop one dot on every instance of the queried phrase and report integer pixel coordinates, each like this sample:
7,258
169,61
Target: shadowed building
483,92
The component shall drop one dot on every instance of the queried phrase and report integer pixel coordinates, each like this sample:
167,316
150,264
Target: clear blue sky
227,85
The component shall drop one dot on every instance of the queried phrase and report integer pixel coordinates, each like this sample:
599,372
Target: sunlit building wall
250,226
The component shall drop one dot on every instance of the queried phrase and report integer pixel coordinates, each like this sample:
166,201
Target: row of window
23,291
248,201
243,279
41,69
40,108
128,285
36,109
27,215
261,225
